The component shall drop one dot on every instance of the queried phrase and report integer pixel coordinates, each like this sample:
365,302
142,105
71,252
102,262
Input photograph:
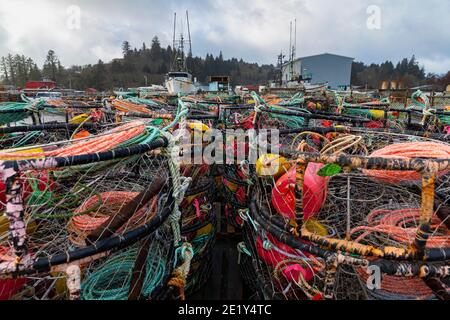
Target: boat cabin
186,75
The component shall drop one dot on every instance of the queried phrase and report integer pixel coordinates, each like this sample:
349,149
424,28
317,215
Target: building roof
322,54
40,85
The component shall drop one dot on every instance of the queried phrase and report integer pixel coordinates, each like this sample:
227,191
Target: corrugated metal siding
336,70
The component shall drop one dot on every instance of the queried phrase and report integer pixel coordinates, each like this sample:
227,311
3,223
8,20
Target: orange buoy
314,192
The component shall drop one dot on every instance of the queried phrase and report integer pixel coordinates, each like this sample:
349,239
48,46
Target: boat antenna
290,41
189,33
291,54
295,41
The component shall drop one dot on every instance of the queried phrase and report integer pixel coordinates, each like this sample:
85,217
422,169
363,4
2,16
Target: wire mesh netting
104,201
341,208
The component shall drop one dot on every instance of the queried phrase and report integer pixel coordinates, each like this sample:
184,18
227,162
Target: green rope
415,99
146,102
112,281
297,99
445,120
65,203
6,118
31,135
289,121
182,111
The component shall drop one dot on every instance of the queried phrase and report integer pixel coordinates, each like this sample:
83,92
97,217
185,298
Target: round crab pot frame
258,275
237,117
413,257
199,228
354,115
419,117
118,275
286,118
45,112
198,279
164,115
235,194
35,135
13,112
40,230
419,251
248,272
202,264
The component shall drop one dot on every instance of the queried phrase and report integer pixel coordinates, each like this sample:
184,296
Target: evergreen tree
155,50
11,67
126,49
154,62
51,66
99,77
4,70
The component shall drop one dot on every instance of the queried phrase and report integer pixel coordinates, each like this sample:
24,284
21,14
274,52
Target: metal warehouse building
324,68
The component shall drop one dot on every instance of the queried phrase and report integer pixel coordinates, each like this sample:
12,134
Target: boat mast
180,58
174,28
183,58
174,48
280,65
294,50
189,33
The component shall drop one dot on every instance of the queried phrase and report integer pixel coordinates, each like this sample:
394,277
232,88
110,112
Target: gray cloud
254,30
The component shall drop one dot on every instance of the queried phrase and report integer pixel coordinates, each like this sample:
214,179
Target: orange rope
98,144
127,107
395,224
411,287
6,255
409,150
56,103
112,202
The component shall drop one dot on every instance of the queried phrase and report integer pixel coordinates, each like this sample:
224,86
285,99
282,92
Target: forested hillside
137,67
149,64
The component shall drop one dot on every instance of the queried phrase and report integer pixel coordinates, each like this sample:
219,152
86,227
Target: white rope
74,281
187,254
180,184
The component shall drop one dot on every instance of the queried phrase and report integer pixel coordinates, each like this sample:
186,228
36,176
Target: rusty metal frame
428,168
10,170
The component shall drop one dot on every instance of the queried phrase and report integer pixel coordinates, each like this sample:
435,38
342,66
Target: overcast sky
255,30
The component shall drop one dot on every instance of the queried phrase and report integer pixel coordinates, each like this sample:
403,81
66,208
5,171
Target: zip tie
242,248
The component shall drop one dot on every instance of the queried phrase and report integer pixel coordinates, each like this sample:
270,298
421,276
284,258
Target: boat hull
180,86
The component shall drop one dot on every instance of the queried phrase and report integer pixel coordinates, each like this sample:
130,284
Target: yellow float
272,165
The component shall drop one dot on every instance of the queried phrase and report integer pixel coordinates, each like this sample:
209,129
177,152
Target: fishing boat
180,83
179,80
